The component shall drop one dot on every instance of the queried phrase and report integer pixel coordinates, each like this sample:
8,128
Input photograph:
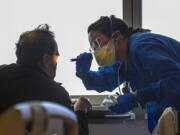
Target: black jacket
18,84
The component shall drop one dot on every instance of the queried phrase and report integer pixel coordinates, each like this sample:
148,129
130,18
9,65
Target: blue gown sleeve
105,79
162,62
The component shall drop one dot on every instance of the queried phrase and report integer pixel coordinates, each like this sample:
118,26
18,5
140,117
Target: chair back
167,123
38,118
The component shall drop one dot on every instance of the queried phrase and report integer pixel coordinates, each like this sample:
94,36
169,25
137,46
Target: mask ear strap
125,63
111,25
112,29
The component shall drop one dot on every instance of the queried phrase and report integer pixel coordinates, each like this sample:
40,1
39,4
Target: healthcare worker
149,62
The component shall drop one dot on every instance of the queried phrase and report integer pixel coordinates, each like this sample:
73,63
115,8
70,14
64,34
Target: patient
32,77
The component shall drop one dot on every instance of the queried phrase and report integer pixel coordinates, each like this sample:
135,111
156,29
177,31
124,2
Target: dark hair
107,25
32,45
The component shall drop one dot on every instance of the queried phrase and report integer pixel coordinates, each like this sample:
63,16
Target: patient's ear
46,61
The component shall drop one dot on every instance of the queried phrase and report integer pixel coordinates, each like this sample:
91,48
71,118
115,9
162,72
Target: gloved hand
125,103
83,64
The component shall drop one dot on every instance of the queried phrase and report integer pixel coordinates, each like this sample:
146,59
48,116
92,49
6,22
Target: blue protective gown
154,73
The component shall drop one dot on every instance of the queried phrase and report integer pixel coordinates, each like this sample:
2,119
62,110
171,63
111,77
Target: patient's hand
82,105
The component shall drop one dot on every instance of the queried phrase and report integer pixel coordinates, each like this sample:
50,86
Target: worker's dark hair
107,25
32,45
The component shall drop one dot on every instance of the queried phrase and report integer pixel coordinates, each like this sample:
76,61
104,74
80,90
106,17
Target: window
161,16
69,20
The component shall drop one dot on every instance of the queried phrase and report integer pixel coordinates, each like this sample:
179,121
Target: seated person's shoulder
60,87
7,67
3,66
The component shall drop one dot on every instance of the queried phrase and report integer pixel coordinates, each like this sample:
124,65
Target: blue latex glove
125,103
83,64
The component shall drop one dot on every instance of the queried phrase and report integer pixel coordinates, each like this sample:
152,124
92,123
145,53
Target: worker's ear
117,35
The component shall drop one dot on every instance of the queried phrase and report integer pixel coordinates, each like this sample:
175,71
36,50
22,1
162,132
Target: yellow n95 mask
106,55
